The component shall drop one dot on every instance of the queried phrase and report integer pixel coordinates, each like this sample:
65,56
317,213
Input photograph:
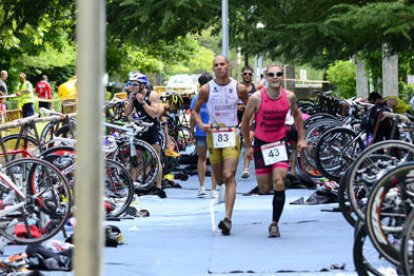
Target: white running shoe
221,193
214,194
201,192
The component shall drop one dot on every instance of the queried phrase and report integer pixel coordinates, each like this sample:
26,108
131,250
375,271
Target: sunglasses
135,84
247,74
272,75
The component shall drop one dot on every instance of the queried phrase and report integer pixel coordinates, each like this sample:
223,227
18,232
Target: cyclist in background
147,106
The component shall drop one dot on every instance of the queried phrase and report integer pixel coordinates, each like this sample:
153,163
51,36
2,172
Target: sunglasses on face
247,74
272,75
135,84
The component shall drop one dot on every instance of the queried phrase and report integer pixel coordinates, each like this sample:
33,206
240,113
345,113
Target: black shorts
151,135
259,162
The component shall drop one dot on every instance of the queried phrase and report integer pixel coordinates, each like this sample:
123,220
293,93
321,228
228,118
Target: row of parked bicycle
376,181
38,171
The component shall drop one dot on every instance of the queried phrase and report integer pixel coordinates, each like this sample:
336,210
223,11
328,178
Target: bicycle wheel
312,136
407,246
58,129
387,209
43,197
118,185
369,167
317,118
118,188
367,260
19,147
63,158
335,151
343,200
144,167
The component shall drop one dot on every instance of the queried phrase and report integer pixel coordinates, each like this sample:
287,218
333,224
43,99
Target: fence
64,106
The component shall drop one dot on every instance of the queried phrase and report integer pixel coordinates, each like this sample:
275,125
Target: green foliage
342,74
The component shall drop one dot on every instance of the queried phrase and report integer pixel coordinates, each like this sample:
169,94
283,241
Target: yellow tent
67,90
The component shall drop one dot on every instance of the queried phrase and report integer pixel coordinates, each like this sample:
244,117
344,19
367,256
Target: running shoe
201,192
245,174
274,230
225,226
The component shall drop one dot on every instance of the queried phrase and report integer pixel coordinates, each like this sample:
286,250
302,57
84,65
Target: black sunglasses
272,75
247,74
135,84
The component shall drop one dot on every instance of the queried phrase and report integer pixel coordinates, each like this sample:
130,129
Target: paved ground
181,238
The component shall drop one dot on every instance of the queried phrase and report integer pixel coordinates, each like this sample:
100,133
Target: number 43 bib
274,152
223,138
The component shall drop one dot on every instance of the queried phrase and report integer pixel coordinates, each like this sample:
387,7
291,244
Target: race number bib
274,152
223,138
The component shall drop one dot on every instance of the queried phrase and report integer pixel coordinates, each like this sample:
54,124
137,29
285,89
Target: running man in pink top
270,106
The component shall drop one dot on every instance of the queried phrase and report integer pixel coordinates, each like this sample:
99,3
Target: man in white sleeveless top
222,95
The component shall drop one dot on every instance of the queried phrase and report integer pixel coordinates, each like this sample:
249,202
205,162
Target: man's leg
229,171
159,178
279,198
201,166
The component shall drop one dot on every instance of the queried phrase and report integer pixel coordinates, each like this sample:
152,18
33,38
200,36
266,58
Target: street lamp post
225,27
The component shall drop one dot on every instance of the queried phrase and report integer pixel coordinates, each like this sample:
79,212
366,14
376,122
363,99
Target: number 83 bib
224,137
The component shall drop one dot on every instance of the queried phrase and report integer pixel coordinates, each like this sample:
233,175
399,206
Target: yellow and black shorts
218,155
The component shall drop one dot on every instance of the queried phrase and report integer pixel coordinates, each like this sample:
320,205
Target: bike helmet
138,77
177,100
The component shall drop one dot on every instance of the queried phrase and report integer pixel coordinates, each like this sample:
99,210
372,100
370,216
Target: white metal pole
225,27
89,163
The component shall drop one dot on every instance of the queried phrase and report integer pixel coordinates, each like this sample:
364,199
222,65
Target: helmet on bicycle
177,100
138,77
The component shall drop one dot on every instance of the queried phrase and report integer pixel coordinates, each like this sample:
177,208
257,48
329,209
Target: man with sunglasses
269,107
221,96
147,106
247,80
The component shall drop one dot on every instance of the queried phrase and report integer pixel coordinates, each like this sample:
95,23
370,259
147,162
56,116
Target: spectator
44,92
3,85
24,90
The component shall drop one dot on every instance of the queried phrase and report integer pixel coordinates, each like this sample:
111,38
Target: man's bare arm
297,116
202,98
129,108
250,110
242,93
153,109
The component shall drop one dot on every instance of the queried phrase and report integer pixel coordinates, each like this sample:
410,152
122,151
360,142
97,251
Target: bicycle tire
48,203
335,151
365,256
385,211
407,246
150,161
370,162
118,187
312,136
49,130
26,147
343,201
316,118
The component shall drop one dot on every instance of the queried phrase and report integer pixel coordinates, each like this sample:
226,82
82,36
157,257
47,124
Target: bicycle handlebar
131,129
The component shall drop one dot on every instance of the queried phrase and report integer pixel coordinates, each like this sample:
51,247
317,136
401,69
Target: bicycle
35,200
137,156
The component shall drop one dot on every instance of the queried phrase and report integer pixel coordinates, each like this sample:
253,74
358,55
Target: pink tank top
271,117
